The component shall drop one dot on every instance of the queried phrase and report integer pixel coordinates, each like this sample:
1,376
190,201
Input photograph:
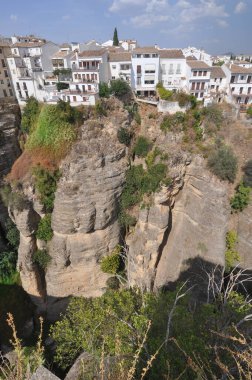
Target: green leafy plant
104,90
8,261
100,109
30,115
44,231
62,86
119,88
249,112
13,199
46,185
231,254
12,234
42,258
137,118
142,146
241,198
124,136
111,263
223,163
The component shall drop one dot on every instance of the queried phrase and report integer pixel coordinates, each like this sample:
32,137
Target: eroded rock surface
245,237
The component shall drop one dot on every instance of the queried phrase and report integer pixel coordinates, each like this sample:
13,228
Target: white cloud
205,8
222,23
145,20
240,7
13,17
118,5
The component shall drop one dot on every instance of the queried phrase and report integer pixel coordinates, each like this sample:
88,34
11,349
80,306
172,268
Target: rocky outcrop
9,149
43,373
84,220
169,235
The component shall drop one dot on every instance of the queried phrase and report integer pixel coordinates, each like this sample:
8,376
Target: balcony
83,69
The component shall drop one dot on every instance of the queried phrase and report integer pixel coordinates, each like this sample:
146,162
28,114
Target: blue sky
216,25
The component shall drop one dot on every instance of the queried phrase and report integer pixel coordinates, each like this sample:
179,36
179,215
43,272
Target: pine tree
115,38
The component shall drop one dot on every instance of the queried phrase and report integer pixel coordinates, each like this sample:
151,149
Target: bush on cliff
119,88
42,258
44,231
46,185
241,198
223,163
111,263
30,115
142,146
124,136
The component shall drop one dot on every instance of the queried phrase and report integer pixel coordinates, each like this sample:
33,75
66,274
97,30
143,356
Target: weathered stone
245,236
84,367
43,373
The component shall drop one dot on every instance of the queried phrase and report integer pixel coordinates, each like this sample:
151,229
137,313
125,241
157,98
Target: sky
218,26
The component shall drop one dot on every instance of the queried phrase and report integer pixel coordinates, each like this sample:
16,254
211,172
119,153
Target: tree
119,88
115,38
223,163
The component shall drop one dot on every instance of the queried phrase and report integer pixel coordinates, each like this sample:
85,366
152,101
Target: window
11,93
194,73
139,81
196,95
139,69
1,52
6,73
200,73
249,90
89,87
26,94
24,86
193,85
242,77
220,80
178,71
150,69
215,79
198,86
5,93
241,90
113,67
80,64
146,55
232,89
149,82
138,55
249,79
154,55
163,69
171,68
18,85
3,63
232,78
204,73
113,78
212,87
217,88
201,94
202,85
74,98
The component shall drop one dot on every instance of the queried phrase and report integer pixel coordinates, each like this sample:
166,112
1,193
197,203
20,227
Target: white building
242,63
120,66
6,88
239,81
89,68
173,69
218,86
145,70
199,54
30,64
198,78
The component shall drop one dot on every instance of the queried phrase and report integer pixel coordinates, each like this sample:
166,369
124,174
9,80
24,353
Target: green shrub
62,86
111,263
46,185
119,88
241,198
113,283
100,109
8,262
172,122
142,146
231,254
104,90
30,115
213,114
12,234
13,199
249,112
247,178
165,94
42,258
223,163
126,220
151,157
137,118
44,231
124,136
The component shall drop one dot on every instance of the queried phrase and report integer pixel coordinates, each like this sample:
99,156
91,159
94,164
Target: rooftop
120,57
171,53
146,49
92,53
28,44
61,54
194,64
217,72
235,69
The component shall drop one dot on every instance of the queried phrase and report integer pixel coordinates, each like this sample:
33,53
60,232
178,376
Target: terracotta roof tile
171,53
198,65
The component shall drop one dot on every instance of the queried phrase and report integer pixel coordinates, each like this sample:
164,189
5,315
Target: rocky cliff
187,222
9,148
84,220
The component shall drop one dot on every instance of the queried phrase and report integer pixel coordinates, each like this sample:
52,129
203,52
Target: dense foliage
124,136
8,258
62,86
12,198
104,90
115,325
249,112
115,38
56,129
42,258
46,185
142,146
111,263
223,163
30,115
241,198
119,88
44,231
232,256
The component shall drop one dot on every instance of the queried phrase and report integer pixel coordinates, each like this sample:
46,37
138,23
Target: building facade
239,84
6,88
198,79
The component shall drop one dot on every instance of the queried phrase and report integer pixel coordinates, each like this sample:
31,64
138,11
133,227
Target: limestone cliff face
9,146
84,220
245,237
167,236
